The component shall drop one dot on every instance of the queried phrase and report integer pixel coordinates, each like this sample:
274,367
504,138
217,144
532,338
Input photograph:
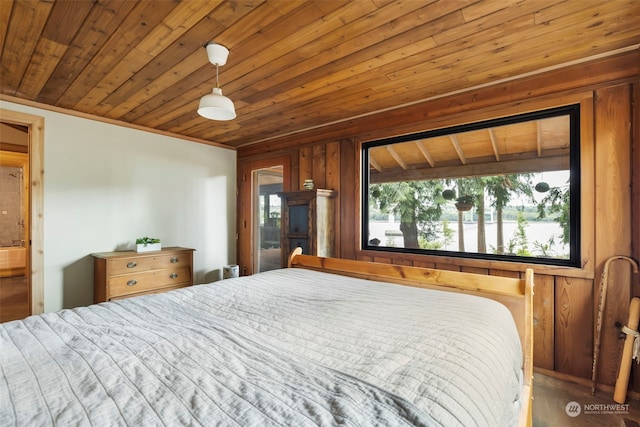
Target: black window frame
574,260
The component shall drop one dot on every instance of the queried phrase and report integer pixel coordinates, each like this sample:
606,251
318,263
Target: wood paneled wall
613,147
565,299
332,166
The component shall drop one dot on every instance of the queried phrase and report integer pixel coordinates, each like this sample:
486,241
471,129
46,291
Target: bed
323,342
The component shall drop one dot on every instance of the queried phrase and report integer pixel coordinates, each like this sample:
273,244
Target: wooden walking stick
601,304
622,382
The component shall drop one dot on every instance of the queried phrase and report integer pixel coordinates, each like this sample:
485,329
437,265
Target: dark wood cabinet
308,222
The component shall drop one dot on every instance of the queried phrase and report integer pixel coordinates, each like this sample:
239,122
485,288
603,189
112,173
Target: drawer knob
132,264
173,275
132,282
174,260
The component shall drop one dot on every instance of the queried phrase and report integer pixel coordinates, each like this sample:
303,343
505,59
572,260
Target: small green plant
447,233
520,242
146,240
427,244
545,248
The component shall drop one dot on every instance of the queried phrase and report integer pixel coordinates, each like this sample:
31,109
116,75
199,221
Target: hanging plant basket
464,203
461,206
449,194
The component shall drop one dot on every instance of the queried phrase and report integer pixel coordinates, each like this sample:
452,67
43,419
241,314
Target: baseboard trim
583,382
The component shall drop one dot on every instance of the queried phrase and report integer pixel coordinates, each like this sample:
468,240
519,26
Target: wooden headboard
514,293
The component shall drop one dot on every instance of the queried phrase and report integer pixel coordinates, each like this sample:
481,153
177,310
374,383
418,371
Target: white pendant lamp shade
215,106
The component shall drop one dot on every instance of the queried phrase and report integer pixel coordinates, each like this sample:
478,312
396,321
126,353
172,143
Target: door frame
245,208
35,254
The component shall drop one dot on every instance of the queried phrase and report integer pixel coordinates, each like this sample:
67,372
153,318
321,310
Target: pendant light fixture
215,106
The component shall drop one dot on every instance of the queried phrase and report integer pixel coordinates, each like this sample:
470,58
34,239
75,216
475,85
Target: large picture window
504,189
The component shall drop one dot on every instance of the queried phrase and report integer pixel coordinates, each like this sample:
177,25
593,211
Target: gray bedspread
290,347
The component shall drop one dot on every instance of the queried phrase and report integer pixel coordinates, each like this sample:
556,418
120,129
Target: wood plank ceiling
294,65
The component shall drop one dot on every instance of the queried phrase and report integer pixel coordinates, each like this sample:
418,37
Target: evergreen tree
416,203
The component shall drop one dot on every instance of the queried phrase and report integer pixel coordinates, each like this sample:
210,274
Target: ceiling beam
494,144
458,148
374,163
427,156
396,157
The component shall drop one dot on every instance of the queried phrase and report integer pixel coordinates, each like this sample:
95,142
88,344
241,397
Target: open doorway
21,215
268,183
15,288
259,181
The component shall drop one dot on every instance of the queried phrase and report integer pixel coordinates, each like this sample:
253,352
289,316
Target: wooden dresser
125,274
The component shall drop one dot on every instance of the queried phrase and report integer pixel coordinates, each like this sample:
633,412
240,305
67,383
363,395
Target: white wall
106,185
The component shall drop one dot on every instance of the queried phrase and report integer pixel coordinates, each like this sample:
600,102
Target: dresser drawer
126,284
146,263
152,291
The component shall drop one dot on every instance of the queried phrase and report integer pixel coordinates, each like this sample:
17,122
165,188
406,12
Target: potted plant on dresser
148,244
